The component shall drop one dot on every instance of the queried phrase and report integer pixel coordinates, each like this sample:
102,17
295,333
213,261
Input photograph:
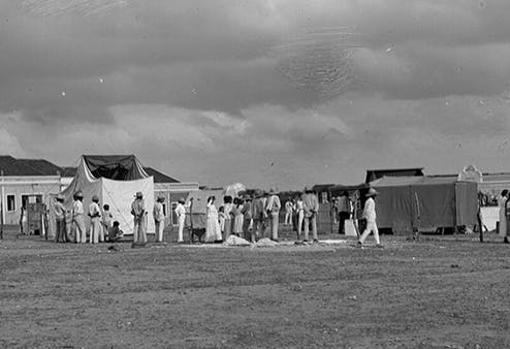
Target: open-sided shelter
115,179
425,203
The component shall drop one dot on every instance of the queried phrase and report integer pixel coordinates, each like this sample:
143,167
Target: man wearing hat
79,218
310,211
344,208
247,212
60,218
159,218
180,212
96,230
139,217
258,214
273,207
370,217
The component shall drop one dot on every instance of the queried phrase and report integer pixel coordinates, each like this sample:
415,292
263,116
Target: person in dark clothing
115,233
344,208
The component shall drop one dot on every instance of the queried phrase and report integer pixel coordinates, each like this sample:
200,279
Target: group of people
257,216
245,216
249,216
71,224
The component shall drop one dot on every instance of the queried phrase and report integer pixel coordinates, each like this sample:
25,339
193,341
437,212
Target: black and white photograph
255,174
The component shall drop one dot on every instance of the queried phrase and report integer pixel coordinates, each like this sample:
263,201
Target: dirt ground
440,292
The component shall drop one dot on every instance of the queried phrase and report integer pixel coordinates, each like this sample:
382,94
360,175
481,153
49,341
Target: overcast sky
280,93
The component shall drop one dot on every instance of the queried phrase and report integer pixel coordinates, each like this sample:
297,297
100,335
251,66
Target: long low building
24,181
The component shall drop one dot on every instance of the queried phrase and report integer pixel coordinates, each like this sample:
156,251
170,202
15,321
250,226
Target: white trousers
180,237
159,225
288,218
140,230
371,228
80,231
95,230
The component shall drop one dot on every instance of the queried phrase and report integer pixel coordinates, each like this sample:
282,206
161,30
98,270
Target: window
24,201
11,203
164,209
174,216
38,199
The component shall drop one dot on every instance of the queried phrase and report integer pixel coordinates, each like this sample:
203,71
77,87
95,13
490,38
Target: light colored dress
502,215
238,219
212,230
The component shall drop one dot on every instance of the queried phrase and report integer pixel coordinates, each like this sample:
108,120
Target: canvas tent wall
425,203
115,180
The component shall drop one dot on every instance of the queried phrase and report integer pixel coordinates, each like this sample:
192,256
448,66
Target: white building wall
17,186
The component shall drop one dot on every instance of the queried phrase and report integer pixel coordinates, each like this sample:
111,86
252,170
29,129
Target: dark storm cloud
204,84
221,56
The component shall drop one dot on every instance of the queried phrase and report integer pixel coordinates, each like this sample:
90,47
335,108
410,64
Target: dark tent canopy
425,202
116,167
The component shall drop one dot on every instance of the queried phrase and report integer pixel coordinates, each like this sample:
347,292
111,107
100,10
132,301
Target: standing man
247,212
139,217
273,207
60,219
369,216
180,212
344,211
310,210
259,215
79,218
159,218
502,200
96,230
289,206
106,222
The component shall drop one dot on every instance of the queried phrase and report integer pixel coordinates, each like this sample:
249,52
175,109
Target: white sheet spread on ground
233,240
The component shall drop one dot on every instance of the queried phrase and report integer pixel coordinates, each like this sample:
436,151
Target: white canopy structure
115,179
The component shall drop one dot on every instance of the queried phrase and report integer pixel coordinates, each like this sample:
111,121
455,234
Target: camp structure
424,203
115,179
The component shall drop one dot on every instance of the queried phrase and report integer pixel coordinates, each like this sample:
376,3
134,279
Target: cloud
280,92
418,72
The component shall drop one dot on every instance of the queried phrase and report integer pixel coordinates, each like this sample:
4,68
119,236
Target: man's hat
139,194
60,197
181,200
95,198
161,198
371,192
78,194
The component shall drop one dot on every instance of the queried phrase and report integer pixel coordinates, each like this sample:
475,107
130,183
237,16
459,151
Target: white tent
115,180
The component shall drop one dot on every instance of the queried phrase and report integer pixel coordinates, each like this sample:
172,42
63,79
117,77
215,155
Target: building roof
27,167
321,187
159,177
374,174
412,180
486,176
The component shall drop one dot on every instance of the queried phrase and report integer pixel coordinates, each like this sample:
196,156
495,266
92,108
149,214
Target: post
191,221
2,206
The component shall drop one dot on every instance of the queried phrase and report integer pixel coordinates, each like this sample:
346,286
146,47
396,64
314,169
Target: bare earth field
441,292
